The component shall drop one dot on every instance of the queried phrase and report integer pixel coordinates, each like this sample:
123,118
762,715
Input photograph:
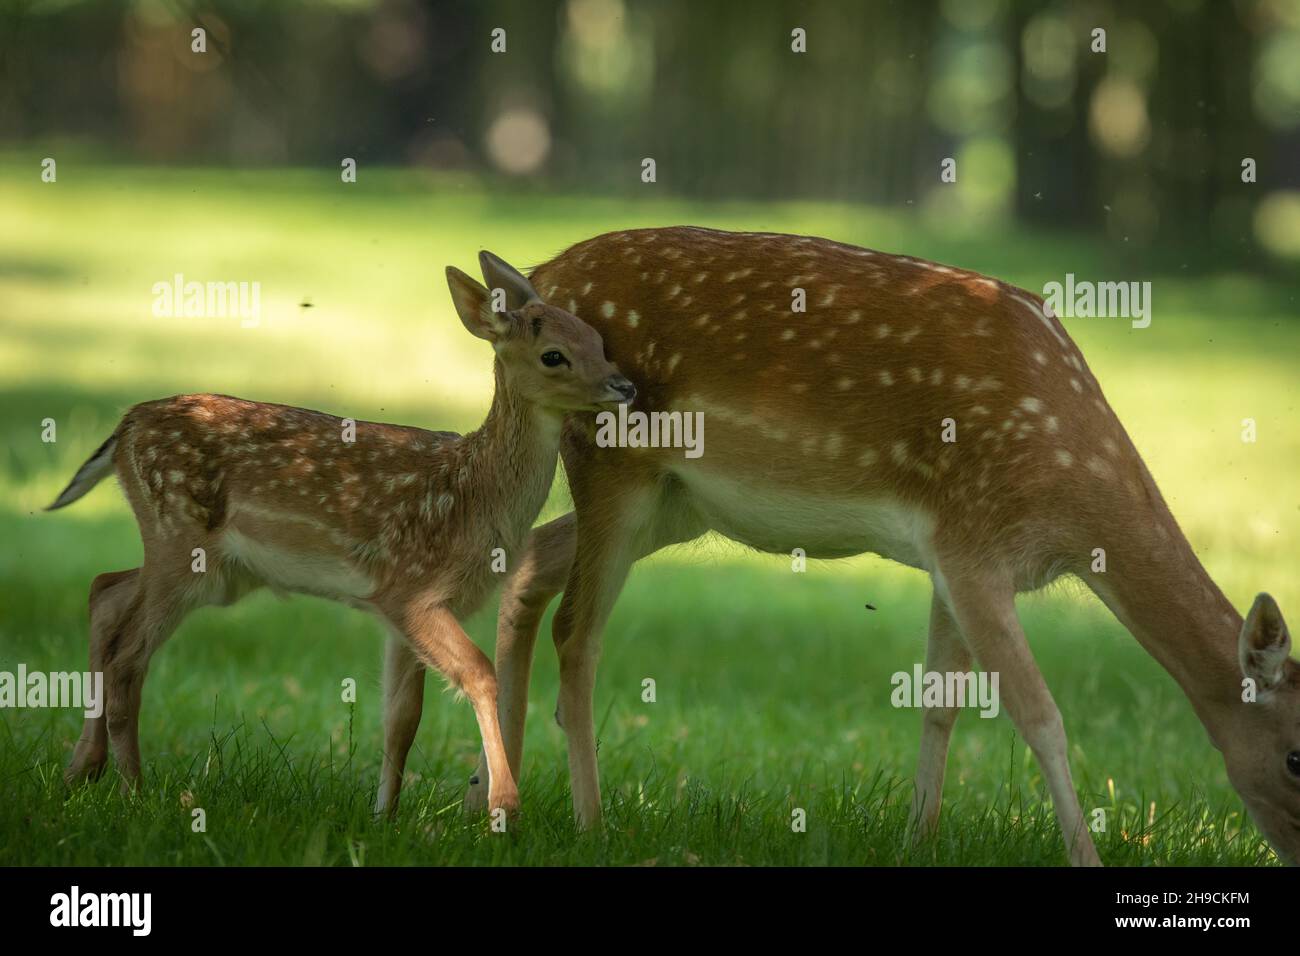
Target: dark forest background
1143,143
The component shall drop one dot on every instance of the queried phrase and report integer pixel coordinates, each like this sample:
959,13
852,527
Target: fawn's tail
96,468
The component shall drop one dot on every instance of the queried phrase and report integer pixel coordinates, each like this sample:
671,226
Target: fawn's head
548,356
1262,750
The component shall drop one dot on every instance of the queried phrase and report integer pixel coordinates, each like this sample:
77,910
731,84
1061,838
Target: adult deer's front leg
983,604
540,576
609,526
945,653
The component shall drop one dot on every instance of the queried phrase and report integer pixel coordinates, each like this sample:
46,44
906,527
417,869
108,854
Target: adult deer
399,521
824,432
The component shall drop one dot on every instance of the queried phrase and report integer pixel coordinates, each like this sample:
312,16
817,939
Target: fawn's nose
617,383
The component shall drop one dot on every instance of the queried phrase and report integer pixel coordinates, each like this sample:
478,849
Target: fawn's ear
499,274
474,306
1265,643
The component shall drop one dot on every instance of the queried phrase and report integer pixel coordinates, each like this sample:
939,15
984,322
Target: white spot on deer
1032,405
961,383
882,331
1110,446
979,410
868,457
1064,458
898,452
910,334
853,318
1040,358
633,319
844,383
607,309
673,292
586,288
1074,384
915,374
1051,424
885,377
672,362
936,377
787,334
1099,467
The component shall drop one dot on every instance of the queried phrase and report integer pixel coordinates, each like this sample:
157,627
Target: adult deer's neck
510,461
1157,587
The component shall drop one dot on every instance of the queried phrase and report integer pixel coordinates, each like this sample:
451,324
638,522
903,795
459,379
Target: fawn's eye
553,359
1293,763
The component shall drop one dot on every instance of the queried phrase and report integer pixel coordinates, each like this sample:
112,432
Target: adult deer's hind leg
113,597
983,604
540,576
946,652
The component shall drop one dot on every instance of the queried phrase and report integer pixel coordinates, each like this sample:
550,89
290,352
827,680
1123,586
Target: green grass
773,687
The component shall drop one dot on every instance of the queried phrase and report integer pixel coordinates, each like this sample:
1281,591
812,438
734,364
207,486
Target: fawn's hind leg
112,600
168,590
403,706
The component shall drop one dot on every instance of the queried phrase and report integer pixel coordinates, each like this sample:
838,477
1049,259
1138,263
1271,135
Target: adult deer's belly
778,520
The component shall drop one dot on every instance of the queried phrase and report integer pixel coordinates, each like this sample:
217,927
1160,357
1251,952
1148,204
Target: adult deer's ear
474,306
1265,644
499,274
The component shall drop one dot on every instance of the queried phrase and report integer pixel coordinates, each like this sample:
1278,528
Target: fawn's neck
510,461
1159,590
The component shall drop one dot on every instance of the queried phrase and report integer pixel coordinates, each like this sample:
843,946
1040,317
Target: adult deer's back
858,401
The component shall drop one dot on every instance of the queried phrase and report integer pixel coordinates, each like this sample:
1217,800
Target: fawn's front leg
439,641
403,706
984,606
540,576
